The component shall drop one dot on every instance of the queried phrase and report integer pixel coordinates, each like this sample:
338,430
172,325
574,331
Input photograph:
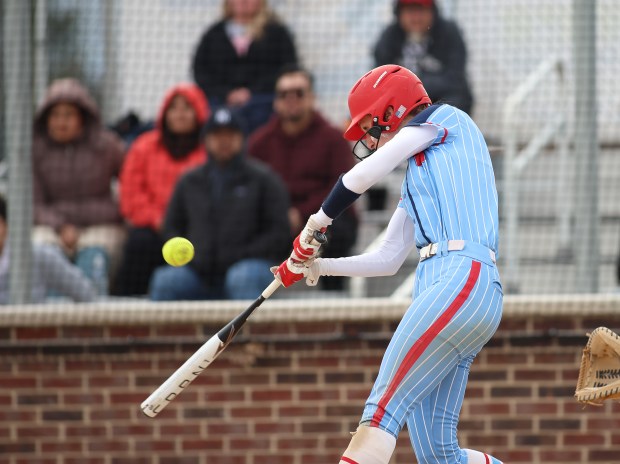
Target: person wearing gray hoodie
75,160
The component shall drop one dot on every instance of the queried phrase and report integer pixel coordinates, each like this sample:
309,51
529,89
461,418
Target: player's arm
406,143
385,260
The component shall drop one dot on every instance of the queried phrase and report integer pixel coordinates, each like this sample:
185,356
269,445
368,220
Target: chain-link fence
531,68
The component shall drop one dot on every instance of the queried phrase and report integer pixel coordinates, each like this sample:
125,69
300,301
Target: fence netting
103,137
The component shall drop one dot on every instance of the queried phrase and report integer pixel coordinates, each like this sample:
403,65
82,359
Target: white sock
369,445
476,457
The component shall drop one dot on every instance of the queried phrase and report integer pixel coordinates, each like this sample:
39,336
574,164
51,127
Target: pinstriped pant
456,309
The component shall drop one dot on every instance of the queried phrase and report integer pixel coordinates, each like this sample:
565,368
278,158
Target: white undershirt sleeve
406,143
386,260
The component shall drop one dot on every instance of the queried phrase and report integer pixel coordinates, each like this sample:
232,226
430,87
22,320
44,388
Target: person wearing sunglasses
309,154
448,212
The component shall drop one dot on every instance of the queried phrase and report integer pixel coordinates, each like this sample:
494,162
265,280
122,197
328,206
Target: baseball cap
426,3
223,118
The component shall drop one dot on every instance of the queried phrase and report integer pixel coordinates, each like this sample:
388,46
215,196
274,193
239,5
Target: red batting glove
305,248
289,272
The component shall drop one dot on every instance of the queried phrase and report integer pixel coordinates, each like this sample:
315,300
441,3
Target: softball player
448,211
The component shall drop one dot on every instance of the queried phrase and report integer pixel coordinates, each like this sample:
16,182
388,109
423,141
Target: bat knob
319,237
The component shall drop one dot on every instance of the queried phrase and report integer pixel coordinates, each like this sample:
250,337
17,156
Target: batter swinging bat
205,355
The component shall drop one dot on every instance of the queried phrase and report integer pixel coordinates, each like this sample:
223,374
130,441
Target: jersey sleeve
446,127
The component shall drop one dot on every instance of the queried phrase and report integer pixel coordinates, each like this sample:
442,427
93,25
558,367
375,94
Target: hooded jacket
150,171
72,181
446,46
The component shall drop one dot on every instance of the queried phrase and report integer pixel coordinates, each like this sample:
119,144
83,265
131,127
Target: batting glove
291,272
305,246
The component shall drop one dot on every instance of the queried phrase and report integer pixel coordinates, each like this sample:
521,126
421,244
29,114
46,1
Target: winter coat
218,68
446,47
230,214
72,181
150,172
309,163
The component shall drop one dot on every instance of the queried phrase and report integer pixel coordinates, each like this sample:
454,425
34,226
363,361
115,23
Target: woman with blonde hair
238,59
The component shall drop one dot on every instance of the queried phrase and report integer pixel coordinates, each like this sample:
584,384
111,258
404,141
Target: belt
472,249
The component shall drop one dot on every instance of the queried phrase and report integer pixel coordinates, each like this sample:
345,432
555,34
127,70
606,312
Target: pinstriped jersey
449,188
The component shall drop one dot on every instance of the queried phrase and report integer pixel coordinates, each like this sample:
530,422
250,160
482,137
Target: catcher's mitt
599,375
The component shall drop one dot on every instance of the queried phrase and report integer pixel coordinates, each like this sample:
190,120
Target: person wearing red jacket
154,163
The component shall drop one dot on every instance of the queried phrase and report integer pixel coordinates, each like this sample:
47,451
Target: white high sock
369,445
476,457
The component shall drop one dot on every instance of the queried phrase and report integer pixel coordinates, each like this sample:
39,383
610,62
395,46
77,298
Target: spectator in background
51,272
154,163
238,59
432,47
75,160
309,154
234,211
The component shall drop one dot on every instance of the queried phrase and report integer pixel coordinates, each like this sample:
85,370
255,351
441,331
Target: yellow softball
178,251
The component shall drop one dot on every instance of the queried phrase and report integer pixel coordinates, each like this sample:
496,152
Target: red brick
110,414
37,366
610,456
321,395
83,398
224,395
531,408
228,428
62,447
131,365
582,439
536,439
37,432
87,332
272,395
507,359
272,428
555,358
61,382
249,412
321,457
535,374
177,331
85,366
562,456
489,408
298,443
110,381
249,444
298,411
62,415
607,423
14,448
16,383
36,333
31,460
107,446
84,460
82,430
129,430
129,332
17,416
154,445
203,444
179,429
278,459
320,361
37,399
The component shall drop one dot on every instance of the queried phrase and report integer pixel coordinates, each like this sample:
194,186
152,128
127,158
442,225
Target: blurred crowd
236,162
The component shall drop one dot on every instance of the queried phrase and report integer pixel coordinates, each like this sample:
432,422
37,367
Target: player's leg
451,319
432,425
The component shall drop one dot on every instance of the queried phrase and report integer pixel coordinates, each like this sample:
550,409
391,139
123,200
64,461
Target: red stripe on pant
422,343
350,461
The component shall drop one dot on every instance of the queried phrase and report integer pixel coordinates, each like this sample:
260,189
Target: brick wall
281,394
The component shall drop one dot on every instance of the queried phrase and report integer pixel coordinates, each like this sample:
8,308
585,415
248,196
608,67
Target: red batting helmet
373,93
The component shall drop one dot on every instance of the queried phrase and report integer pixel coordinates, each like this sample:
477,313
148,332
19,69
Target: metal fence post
586,147
17,54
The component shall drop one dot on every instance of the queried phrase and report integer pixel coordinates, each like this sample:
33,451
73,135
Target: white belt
453,245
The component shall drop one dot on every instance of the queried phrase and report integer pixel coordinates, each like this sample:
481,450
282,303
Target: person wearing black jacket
235,212
238,59
421,40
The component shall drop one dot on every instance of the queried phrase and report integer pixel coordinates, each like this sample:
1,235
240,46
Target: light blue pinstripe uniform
449,192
